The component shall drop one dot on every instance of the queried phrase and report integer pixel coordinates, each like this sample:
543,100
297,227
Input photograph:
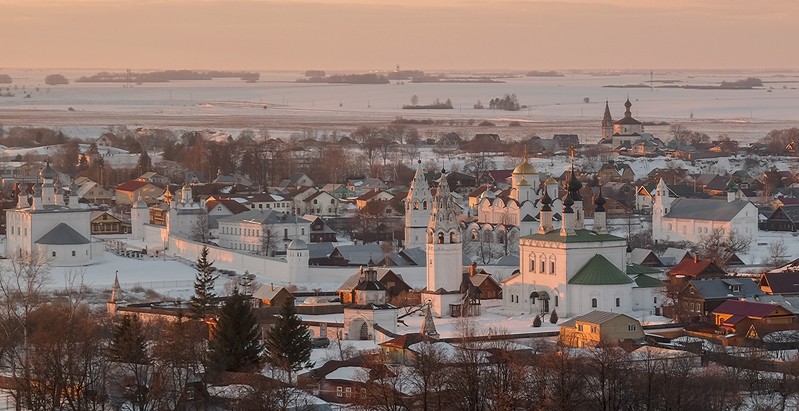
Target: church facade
50,224
573,270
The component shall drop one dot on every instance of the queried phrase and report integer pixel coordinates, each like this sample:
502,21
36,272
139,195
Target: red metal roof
746,308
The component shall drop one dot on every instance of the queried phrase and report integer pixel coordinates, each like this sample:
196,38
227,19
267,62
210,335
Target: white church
51,224
574,270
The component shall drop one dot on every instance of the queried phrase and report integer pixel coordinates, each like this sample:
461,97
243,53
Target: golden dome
524,183
525,168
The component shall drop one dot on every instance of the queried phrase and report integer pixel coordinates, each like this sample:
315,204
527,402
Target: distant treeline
745,84
55,79
368,78
445,79
166,76
5,79
544,74
437,105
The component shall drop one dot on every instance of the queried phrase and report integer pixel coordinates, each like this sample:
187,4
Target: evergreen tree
288,343
203,299
128,344
144,162
553,318
236,341
537,321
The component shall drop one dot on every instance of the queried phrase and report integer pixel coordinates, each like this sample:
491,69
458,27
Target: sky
416,34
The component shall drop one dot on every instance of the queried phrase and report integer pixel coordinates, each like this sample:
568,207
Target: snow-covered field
553,104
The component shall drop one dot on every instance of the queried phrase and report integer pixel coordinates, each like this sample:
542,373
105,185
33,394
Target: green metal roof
645,281
599,271
579,236
635,269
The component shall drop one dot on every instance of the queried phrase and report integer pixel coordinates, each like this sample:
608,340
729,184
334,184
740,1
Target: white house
689,219
252,230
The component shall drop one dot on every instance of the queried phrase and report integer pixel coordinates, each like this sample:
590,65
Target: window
349,392
285,233
618,302
631,327
73,253
656,300
556,300
424,205
579,327
542,268
452,238
593,329
532,264
53,253
441,238
339,392
593,303
552,266
303,231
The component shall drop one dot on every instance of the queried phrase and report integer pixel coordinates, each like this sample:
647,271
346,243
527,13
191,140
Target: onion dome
546,201
568,202
600,201
525,168
47,171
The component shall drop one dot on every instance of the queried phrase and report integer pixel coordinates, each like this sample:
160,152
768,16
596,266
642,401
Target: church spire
607,119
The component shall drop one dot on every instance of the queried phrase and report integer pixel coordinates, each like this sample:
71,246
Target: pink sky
378,34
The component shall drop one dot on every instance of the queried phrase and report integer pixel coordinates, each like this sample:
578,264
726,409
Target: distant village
380,268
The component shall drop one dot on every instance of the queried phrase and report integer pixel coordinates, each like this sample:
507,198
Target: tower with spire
607,123
418,205
444,253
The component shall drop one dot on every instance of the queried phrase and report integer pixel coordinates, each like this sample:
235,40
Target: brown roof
132,185
234,206
696,268
369,194
405,341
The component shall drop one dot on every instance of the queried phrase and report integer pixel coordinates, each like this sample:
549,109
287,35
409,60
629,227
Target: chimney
696,258
472,269
272,285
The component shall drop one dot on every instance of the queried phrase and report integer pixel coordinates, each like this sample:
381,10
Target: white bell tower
444,253
417,209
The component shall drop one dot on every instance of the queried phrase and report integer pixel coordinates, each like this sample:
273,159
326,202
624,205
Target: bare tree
268,240
719,247
776,254
199,230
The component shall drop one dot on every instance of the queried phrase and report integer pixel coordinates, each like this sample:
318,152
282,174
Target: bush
537,321
486,124
55,79
553,318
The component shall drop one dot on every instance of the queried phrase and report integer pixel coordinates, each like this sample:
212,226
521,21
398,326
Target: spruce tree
236,341
203,299
128,344
288,342
553,318
537,321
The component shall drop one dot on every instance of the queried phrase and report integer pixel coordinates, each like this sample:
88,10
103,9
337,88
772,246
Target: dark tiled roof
782,283
723,288
698,209
745,308
62,234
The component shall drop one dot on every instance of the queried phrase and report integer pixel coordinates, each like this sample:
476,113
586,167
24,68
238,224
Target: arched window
542,266
415,205
593,303
556,300
424,205
532,263
452,238
441,238
618,302
552,265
